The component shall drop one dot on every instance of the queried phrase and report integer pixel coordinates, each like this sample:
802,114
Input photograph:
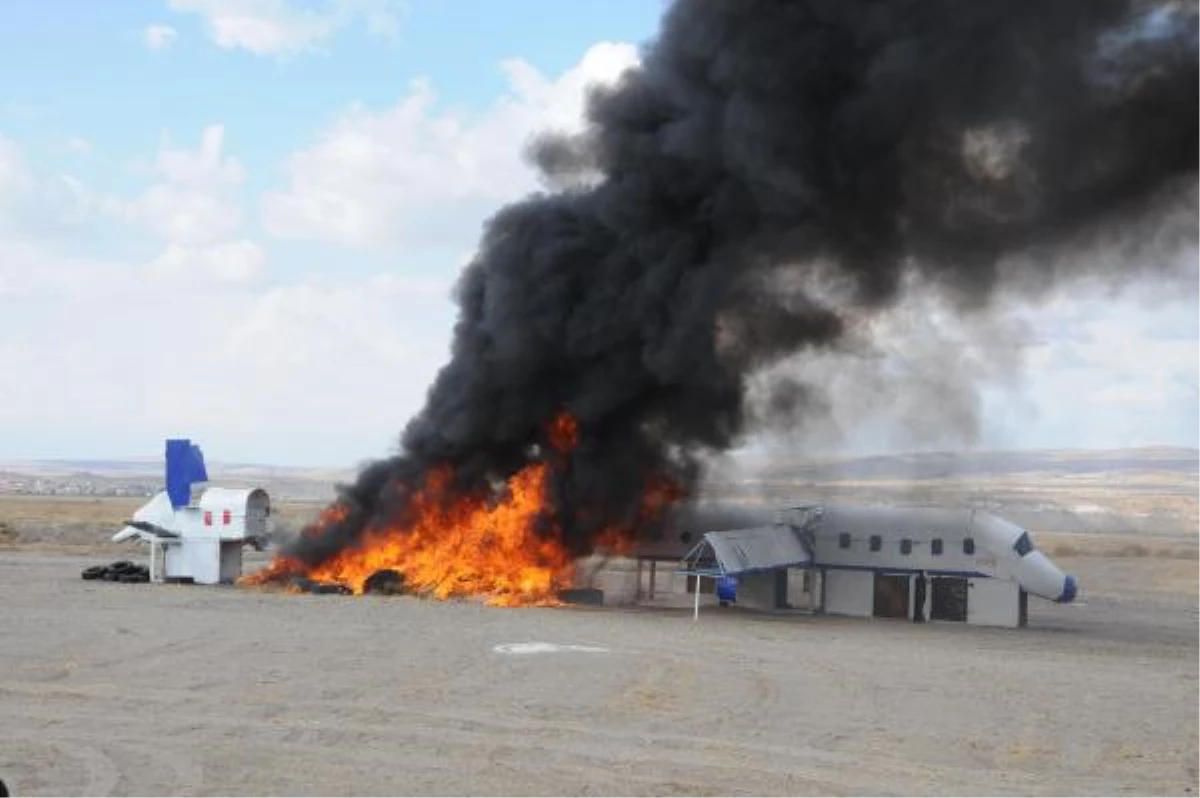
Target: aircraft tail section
185,467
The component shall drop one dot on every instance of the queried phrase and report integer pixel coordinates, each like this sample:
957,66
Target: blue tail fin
185,466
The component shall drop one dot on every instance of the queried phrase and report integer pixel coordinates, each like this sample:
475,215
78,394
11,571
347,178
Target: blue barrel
727,588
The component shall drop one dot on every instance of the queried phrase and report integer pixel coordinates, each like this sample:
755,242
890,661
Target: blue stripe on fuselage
926,571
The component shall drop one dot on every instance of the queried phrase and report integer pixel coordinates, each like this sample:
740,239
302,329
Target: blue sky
239,221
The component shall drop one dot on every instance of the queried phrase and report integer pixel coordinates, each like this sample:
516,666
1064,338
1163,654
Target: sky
240,221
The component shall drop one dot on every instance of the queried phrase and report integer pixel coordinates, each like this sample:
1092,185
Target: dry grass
22,511
66,522
1114,546
1165,563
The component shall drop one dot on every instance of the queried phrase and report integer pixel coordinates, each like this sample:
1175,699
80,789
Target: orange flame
507,551
456,549
564,432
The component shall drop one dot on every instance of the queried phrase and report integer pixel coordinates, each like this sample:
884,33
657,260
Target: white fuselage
202,541
969,543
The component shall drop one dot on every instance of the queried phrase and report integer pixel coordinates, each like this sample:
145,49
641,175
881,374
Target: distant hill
920,465
144,477
945,465
153,467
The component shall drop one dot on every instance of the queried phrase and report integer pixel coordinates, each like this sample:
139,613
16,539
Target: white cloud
1114,371
78,145
276,27
192,207
231,262
320,374
114,355
199,334
417,173
159,36
14,174
32,203
195,200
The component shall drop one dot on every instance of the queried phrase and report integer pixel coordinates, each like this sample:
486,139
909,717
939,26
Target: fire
659,495
508,551
501,551
333,514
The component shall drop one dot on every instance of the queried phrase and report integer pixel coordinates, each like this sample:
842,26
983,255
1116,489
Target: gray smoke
911,377
771,178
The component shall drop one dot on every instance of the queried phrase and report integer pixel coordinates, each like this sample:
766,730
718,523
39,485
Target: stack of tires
120,571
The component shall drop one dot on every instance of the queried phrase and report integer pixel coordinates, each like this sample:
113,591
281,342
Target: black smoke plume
771,171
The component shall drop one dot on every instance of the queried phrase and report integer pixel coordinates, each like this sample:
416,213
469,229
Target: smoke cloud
773,177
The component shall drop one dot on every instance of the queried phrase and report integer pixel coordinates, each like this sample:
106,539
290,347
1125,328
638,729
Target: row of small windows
875,542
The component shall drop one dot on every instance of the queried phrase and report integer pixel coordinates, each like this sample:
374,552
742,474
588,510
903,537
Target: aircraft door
891,595
949,599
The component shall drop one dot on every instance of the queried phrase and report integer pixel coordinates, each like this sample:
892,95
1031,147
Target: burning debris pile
505,545
770,175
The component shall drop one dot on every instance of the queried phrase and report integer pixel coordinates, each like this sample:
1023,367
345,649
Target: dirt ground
173,690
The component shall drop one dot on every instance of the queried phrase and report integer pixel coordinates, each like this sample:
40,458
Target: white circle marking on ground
544,648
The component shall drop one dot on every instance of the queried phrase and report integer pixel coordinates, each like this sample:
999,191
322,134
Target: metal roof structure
732,552
741,551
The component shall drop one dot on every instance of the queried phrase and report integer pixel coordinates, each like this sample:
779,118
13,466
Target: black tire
304,584
588,596
95,572
384,583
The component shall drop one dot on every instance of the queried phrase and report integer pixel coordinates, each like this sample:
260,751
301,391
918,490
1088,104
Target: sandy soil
151,689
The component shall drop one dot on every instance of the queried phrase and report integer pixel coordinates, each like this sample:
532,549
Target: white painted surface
174,565
233,513
202,559
993,539
993,602
849,593
207,547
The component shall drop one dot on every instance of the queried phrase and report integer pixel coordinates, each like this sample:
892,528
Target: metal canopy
744,551
763,548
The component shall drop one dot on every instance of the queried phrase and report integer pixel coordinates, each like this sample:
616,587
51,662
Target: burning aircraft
772,174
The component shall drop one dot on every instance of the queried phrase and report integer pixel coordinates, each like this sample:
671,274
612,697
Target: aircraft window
906,546
1023,545
935,546
844,540
968,545
876,543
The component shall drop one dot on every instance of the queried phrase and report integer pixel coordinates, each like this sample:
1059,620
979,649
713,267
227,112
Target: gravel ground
171,690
